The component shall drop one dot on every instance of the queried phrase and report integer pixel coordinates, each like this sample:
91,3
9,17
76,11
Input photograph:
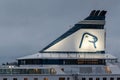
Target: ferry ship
78,54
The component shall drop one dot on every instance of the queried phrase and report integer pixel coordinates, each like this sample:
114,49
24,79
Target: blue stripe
102,52
95,18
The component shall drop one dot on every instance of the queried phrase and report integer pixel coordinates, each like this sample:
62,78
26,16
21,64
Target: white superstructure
78,54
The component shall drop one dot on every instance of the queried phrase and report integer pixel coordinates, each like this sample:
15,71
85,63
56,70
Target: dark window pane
104,78
14,78
68,78
90,78
83,78
4,78
35,78
111,78
25,78
118,78
97,78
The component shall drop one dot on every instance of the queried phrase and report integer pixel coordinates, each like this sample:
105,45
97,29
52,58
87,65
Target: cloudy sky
27,26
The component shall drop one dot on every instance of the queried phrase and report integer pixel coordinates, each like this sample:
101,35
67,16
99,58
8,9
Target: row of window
104,78
61,61
27,71
25,79
63,78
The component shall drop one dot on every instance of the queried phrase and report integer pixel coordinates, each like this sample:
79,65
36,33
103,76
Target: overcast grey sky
27,26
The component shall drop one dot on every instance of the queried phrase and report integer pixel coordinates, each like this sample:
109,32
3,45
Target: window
118,78
45,78
68,78
90,78
97,78
61,78
4,78
83,79
35,78
111,78
14,78
25,78
104,78
62,69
